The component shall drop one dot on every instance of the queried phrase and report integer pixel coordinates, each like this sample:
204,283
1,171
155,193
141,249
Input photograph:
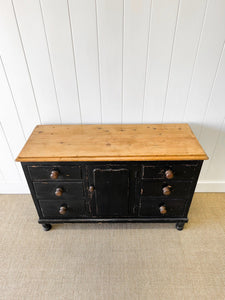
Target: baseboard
22,187
205,186
14,187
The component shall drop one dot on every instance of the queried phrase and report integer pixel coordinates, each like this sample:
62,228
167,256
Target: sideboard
112,173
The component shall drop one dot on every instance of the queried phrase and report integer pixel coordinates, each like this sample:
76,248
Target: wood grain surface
112,143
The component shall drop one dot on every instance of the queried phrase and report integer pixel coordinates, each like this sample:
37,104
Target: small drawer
170,171
161,188
59,190
55,172
59,209
161,209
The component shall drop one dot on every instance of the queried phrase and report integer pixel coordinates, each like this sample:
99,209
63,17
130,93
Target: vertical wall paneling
8,166
162,29
85,39
1,175
103,61
30,22
14,60
217,165
136,32
189,26
110,33
12,129
10,123
207,61
11,177
1,169
212,125
57,25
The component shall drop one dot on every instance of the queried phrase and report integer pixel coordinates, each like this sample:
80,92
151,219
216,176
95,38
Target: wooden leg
46,227
180,225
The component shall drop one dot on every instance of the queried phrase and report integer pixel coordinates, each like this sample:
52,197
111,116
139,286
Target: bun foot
46,227
180,225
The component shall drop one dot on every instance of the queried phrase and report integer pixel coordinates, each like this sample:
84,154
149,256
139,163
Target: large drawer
151,207
157,188
65,190
68,208
55,172
179,170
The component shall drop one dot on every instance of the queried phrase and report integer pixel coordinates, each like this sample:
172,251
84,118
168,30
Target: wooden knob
91,188
54,174
59,192
163,210
166,190
169,174
62,210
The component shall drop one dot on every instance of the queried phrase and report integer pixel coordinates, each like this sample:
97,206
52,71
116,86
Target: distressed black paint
123,191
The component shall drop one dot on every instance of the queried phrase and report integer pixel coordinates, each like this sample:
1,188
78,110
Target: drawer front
59,209
55,172
166,189
170,171
59,190
169,208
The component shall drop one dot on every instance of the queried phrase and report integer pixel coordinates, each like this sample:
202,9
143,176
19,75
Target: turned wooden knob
163,210
166,190
169,174
62,210
54,174
59,192
91,188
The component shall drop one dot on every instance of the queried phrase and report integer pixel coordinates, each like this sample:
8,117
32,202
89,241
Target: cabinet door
111,192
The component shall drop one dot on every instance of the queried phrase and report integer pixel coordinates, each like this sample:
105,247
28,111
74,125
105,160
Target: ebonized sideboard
112,173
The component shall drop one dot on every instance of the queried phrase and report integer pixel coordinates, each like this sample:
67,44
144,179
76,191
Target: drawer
55,172
64,190
169,171
59,209
166,189
170,208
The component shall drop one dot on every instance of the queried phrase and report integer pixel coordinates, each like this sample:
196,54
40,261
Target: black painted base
46,227
180,225
114,220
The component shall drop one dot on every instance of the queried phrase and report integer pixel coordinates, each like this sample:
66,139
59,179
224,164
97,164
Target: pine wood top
144,142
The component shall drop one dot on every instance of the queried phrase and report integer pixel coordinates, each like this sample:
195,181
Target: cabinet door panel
111,192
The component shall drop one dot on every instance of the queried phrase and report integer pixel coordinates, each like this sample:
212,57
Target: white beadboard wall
112,61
